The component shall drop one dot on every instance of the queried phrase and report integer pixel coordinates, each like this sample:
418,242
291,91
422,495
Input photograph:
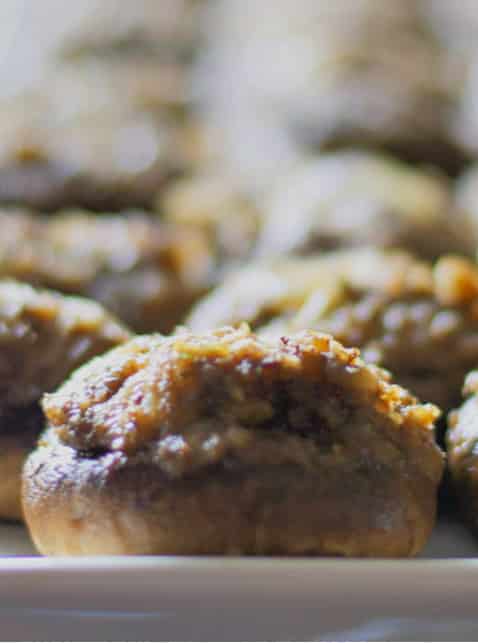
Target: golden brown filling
190,402
428,347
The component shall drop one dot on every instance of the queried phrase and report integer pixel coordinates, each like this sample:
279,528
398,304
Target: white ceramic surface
168,598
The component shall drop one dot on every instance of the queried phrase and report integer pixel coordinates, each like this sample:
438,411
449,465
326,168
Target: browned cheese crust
225,443
147,273
419,322
43,338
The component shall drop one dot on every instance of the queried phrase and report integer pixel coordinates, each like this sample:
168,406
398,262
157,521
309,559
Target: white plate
170,598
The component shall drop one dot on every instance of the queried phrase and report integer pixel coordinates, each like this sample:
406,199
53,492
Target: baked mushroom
104,124
43,338
225,443
356,198
287,78
146,272
418,321
462,458
92,140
